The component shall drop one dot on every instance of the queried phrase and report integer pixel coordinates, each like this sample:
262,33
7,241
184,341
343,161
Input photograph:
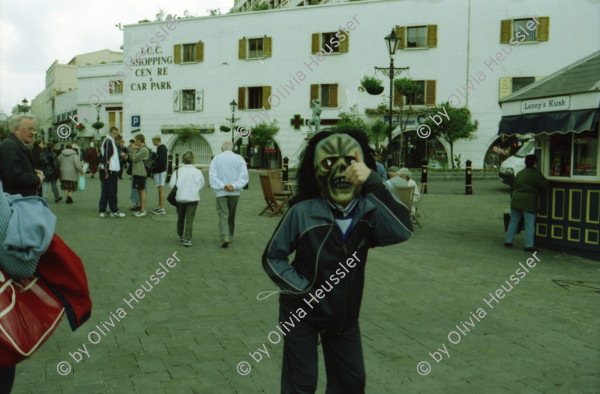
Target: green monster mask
332,156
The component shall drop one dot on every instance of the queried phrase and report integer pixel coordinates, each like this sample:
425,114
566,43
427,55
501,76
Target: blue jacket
309,229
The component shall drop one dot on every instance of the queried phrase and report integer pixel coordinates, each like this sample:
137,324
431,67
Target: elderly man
404,173
395,180
228,175
17,171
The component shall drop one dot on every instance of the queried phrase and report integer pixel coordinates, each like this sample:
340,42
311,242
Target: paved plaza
427,299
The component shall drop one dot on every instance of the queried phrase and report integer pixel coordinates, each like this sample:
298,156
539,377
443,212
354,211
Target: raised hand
357,173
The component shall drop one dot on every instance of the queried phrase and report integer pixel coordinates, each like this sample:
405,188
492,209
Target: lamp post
233,119
391,41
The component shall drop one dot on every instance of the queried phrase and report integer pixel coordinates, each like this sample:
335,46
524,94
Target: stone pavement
190,331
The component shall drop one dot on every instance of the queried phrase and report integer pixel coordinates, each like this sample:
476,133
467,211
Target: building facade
181,75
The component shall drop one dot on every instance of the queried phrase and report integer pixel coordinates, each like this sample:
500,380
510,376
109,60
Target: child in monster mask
341,209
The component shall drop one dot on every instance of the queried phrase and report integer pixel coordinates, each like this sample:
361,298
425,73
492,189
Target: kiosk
561,112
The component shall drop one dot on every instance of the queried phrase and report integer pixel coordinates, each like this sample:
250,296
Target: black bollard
468,180
176,161
169,167
285,174
424,176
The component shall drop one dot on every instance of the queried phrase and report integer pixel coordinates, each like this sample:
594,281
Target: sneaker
187,243
102,214
69,200
180,238
159,211
156,210
140,214
225,242
135,208
58,199
117,214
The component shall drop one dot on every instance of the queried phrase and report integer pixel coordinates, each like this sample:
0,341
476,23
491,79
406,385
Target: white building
189,70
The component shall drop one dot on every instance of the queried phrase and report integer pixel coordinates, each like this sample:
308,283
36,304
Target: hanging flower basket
225,129
98,125
371,85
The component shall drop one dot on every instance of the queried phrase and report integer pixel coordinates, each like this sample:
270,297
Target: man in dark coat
36,150
17,171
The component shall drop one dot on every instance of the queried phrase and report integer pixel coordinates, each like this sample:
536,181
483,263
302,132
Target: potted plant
225,129
371,85
98,125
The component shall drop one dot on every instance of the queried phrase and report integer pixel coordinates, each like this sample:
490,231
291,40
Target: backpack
150,162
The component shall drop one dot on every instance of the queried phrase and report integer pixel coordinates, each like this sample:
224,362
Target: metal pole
468,179
424,176
390,154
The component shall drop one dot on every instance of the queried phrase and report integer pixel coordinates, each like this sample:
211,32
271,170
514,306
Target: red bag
29,314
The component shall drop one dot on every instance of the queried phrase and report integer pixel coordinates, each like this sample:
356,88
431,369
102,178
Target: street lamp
392,41
233,119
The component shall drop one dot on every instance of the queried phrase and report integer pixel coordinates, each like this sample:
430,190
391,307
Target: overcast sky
34,33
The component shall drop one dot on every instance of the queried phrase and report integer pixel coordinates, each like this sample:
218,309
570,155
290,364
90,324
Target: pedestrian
134,195
228,175
51,170
159,173
189,181
122,154
109,175
35,152
526,189
17,168
404,173
59,150
380,168
70,169
394,179
91,157
139,155
340,211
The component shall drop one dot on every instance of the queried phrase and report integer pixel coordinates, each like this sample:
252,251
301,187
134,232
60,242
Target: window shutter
397,97
505,31
315,42
344,45
199,51
432,36
199,99
505,87
314,93
177,53
401,32
544,28
430,92
177,100
268,47
242,48
266,92
242,98
333,95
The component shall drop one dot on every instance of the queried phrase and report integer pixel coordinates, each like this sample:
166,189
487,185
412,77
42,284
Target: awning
549,122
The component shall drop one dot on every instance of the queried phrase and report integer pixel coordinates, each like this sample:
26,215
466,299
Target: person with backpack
50,168
139,156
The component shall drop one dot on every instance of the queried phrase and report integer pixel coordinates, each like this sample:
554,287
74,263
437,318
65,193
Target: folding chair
277,185
274,203
406,194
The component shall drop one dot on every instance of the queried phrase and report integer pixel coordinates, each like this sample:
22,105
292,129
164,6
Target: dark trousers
109,191
344,362
7,378
226,206
186,211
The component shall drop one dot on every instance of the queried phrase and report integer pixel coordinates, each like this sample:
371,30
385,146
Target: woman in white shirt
189,181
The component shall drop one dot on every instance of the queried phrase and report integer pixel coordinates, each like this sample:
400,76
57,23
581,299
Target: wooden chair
406,194
274,203
277,185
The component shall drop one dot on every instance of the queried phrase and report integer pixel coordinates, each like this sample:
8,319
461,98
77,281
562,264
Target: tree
264,133
3,130
456,124
377,133
405,87
350,121
214,11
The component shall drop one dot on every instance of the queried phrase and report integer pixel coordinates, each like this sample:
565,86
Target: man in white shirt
404,173
227,175
394,179
109,175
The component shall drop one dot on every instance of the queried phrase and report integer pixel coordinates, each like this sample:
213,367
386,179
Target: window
416,36
520,83
424,94
521,24
418,96
255,47
527,29
189,53
585,153
327,94
326,39
424,36
188,100
255,97
116,87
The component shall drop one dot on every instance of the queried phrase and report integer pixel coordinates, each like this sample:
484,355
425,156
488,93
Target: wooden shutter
177,53
397,97
111,119
314,93
268,46
241,98
199,99
543,28
266,92
199,51
430,92
505,87
242,48
316,41
344,45
505,31
177,100
333,95
401,32
432,36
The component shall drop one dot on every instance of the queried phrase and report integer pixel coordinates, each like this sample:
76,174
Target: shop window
585,153
560,155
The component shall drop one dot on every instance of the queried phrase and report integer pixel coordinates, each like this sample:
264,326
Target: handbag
81,183
171,197
29,314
